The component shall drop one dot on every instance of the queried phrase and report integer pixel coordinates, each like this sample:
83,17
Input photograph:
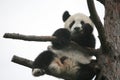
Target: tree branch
28,38
22,61
96,20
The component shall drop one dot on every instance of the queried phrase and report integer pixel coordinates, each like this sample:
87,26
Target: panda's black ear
66,15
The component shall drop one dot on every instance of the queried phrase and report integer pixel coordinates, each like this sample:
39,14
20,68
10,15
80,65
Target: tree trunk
110,61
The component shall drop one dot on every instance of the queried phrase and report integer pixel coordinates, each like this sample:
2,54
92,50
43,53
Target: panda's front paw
62,33
63,38
38,72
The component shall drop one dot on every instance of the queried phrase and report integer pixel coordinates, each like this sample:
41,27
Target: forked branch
96,20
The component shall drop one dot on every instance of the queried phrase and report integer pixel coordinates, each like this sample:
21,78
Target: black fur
86,72
84,38
43,60
63,38
66,15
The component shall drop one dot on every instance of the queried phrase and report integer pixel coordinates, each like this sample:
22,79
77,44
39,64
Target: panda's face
75,23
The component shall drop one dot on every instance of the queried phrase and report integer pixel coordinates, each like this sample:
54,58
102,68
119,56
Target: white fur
75,54
77,18
37,72
68,69
70,65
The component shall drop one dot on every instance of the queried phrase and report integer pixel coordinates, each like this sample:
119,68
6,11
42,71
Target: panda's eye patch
72,24
82,22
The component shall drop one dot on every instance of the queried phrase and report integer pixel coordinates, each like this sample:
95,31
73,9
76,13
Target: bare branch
28,38
22,61
95,18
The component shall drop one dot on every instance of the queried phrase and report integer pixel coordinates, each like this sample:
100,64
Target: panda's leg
86,72
63,38
42,62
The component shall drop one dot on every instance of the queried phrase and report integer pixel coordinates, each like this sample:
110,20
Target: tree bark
29,37
110,61
22,61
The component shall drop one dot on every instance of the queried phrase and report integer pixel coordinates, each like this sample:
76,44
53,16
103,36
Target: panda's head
78,23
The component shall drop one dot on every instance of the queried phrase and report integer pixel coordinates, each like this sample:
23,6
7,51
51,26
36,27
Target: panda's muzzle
77,28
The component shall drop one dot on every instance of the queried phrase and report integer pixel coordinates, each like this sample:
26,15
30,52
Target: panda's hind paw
38,72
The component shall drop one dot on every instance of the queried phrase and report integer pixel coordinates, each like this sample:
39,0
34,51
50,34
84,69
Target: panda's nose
77,28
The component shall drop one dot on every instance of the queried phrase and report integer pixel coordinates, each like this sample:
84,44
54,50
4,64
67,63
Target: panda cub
81,29
66,58
68,61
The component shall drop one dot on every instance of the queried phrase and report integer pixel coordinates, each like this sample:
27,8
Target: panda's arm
63,38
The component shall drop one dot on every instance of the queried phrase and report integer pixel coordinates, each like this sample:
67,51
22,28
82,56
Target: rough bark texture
110,62
29,37
22,61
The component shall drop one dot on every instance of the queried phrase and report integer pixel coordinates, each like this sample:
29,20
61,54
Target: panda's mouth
77,29
77,32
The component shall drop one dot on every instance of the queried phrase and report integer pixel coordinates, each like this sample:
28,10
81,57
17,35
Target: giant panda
81,28
68,61
66,58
